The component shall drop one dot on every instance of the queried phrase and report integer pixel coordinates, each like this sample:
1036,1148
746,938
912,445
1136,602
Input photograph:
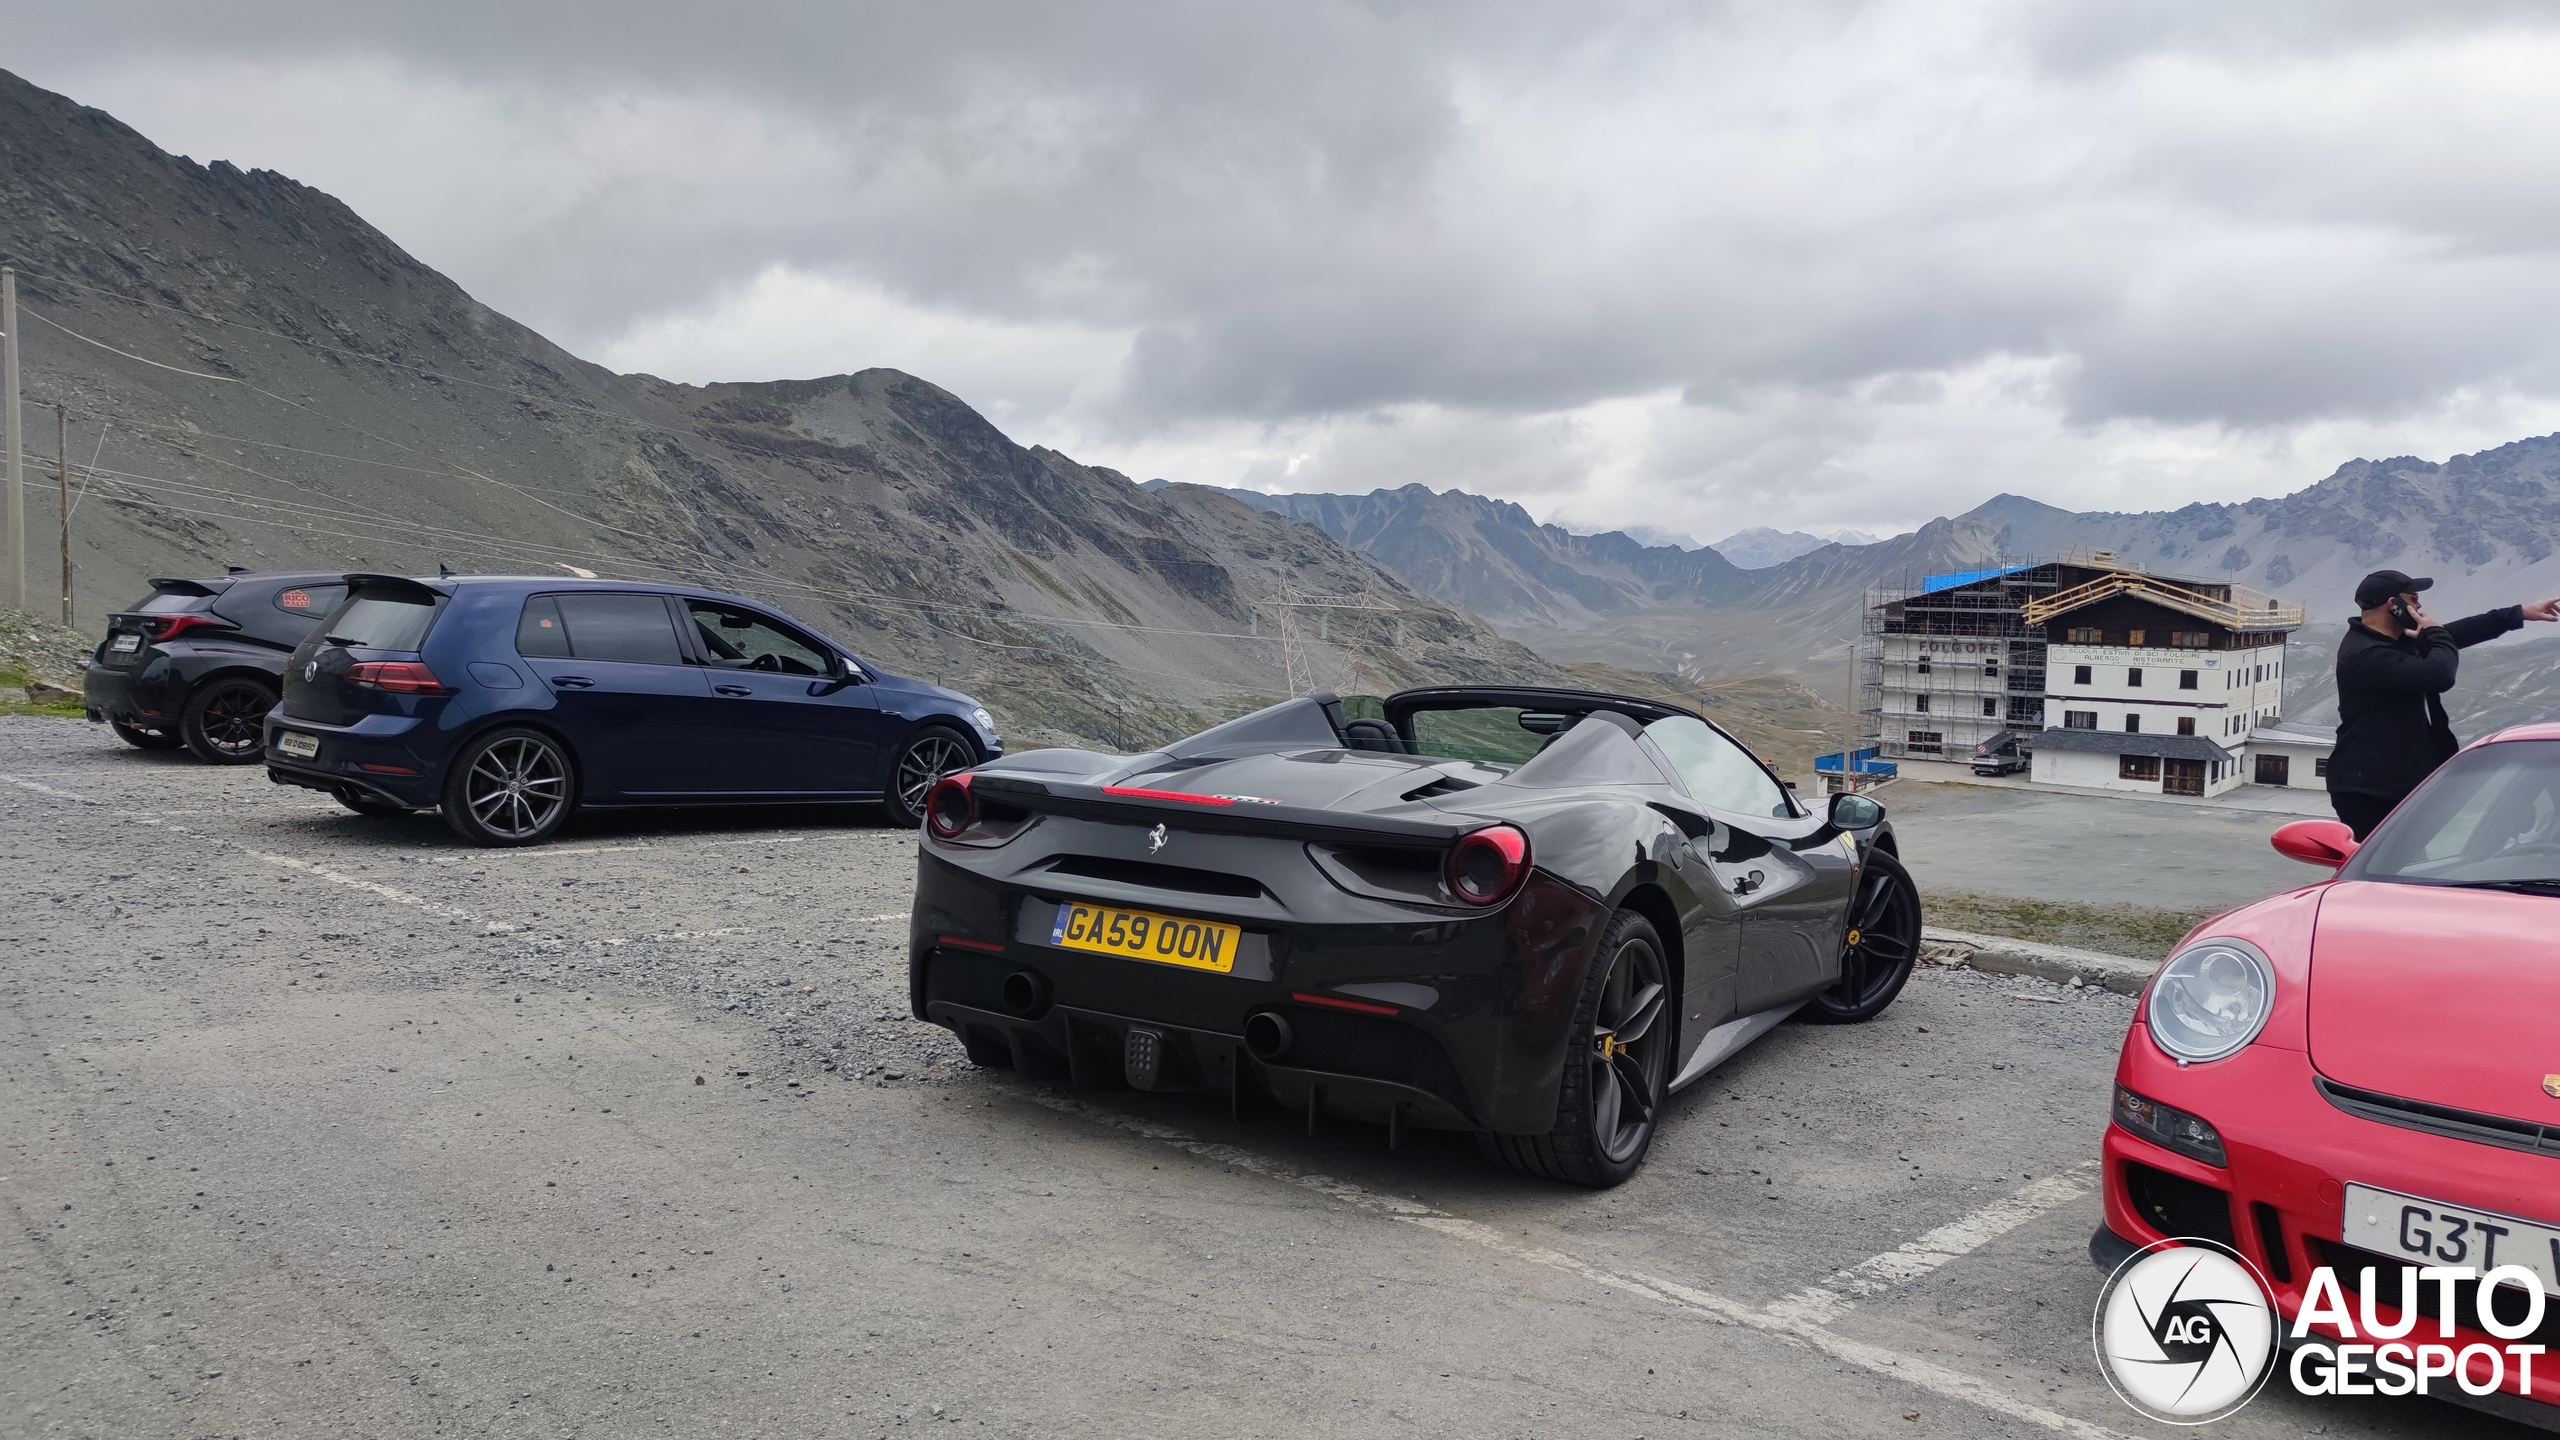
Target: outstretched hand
2543,610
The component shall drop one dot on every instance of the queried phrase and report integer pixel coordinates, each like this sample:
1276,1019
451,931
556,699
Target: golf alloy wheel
226,721
932,754
514,787
1879,949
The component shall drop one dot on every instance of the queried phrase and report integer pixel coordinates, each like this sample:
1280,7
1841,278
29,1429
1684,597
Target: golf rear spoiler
187,587
1213,814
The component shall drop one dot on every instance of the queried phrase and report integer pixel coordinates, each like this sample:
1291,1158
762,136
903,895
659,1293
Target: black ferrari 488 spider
1527,913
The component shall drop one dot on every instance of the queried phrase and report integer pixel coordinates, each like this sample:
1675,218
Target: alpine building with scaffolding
2098,674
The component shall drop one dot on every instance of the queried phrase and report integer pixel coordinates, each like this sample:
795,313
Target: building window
2186,679
2137,767
2136,637
2186,724
2190,640
2133,677
1991,707
2079,719
1920,703
1923,666
1924,739
2082,635
2320,766
2262,676
1991,668
2079,674
2132,723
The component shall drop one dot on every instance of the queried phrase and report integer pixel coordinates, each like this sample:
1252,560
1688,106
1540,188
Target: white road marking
1937,1247
25,784
400,897
1823,1303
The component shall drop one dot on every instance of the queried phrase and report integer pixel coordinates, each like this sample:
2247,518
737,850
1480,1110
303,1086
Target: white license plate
2430,1232
124,644
298,745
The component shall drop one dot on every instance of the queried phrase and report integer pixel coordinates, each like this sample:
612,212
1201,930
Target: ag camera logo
2185,1334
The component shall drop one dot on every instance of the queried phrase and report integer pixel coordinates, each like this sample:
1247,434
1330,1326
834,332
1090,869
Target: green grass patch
2140,932
13,699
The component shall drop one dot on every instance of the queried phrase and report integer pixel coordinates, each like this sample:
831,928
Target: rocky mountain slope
258,377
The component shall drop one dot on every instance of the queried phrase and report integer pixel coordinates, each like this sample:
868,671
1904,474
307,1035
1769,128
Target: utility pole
13,583
62,477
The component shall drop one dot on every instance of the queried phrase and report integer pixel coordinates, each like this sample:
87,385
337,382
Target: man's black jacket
2392,730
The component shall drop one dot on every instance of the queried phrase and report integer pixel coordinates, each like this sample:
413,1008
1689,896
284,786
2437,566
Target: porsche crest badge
2551,1086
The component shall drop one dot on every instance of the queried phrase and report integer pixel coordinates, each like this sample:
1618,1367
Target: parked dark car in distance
510,702
199,663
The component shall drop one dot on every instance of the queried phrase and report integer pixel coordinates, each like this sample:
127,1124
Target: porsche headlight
985,721
2211,999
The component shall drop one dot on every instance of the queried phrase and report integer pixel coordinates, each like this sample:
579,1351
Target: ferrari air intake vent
1156,877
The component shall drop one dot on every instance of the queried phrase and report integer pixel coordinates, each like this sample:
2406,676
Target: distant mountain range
2486,526
258,377
1761,547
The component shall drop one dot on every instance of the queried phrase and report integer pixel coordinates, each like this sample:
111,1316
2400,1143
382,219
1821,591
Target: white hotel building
2120,680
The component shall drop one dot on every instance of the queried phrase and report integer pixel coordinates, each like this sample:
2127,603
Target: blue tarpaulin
1930,584
1858,762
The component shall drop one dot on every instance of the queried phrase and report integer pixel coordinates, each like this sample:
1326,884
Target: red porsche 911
2355,1086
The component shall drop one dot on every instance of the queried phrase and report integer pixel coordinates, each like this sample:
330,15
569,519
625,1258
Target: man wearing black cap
2393,668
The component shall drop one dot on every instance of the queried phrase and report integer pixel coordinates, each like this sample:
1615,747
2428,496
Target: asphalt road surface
316,1124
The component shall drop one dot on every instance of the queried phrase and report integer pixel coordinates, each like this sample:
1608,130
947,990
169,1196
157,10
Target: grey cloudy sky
1700,266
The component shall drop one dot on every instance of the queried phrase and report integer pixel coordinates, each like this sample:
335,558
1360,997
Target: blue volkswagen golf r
508,702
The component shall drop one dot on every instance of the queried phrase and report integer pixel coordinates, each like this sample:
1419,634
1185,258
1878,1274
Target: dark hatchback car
199,662
510,702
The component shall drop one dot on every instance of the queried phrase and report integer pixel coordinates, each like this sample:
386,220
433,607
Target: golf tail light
2167,1125
949,808
2211,1000
1488,866
397,677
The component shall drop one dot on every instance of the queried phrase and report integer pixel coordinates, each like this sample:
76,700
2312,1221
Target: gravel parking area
318,1125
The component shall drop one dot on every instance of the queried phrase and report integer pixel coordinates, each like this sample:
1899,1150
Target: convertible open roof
1576,703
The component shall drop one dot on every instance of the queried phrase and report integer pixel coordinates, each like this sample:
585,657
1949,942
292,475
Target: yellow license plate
1145,935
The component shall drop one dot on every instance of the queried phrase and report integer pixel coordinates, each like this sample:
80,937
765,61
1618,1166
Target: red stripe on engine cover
1133,792
1363,1006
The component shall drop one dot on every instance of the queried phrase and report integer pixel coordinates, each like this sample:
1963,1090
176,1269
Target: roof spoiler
188,587
1213,814
405,586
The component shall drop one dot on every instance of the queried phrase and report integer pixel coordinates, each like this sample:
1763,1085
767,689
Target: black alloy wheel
1614,1072
510,787
364,804
141,739
928,755
225,721
1880,947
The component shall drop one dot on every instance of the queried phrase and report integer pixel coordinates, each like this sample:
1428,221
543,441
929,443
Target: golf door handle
732,690
572,682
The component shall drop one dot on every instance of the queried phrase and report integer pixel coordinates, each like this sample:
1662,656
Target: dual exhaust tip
1267,1035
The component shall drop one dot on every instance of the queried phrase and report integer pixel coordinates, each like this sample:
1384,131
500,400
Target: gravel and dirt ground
320,1125
2124,876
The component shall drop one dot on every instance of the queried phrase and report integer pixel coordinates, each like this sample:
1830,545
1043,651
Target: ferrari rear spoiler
1213,814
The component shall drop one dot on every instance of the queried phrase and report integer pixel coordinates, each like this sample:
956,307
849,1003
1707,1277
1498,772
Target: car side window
734,639
1717,771
540,633
635,629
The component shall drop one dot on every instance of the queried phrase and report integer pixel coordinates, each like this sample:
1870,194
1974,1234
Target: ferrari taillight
1488,866
397,677
949,808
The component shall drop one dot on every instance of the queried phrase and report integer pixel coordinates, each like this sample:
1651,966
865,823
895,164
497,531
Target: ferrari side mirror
2326,843
1854,812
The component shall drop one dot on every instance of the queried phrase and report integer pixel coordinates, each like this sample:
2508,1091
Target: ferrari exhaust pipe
1025,993
1266,1035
